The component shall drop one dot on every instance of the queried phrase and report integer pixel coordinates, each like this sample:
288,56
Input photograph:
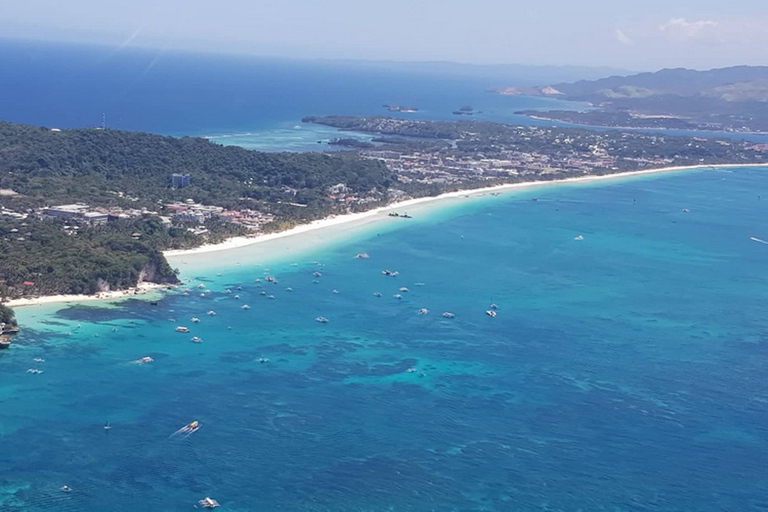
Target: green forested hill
90,165
43,167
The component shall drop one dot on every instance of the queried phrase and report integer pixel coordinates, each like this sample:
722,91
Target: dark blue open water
623,372
260,101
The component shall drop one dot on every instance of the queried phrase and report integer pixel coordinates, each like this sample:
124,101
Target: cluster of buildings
452,166
189,212
179,214
80,213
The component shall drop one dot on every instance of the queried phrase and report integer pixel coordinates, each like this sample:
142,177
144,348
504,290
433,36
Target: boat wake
755,239
187,430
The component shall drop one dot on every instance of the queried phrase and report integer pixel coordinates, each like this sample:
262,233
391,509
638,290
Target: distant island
400,108
729,99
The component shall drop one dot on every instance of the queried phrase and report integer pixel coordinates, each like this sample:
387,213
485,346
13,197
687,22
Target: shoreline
337,220
239,242
630,128
141,289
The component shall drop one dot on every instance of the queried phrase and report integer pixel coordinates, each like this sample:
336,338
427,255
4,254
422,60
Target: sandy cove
141,289
337,220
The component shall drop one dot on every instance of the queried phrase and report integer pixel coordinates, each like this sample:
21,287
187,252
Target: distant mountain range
734,98
520,74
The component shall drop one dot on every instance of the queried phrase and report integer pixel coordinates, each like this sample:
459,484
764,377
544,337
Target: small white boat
404,289
245,306
491,313
194,319
448,314
321,319
377,294
196,339
211,313
397,296
423,311
181,328
579,237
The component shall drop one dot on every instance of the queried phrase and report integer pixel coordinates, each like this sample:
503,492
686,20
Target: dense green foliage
42,259
6,316
99,166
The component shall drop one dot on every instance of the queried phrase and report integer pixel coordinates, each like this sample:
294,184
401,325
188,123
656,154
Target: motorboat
321,319
208,503
181,328
448,314
196,339
491,313
423,311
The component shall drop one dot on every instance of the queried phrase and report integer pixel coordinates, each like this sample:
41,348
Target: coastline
376,214
140,289
382,211
631,128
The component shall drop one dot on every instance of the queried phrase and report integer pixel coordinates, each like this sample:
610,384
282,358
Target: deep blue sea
250,101
624,371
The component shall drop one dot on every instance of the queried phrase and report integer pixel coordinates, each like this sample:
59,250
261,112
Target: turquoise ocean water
624,371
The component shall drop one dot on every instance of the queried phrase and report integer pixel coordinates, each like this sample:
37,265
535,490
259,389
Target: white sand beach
177,256
141,289
317,231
